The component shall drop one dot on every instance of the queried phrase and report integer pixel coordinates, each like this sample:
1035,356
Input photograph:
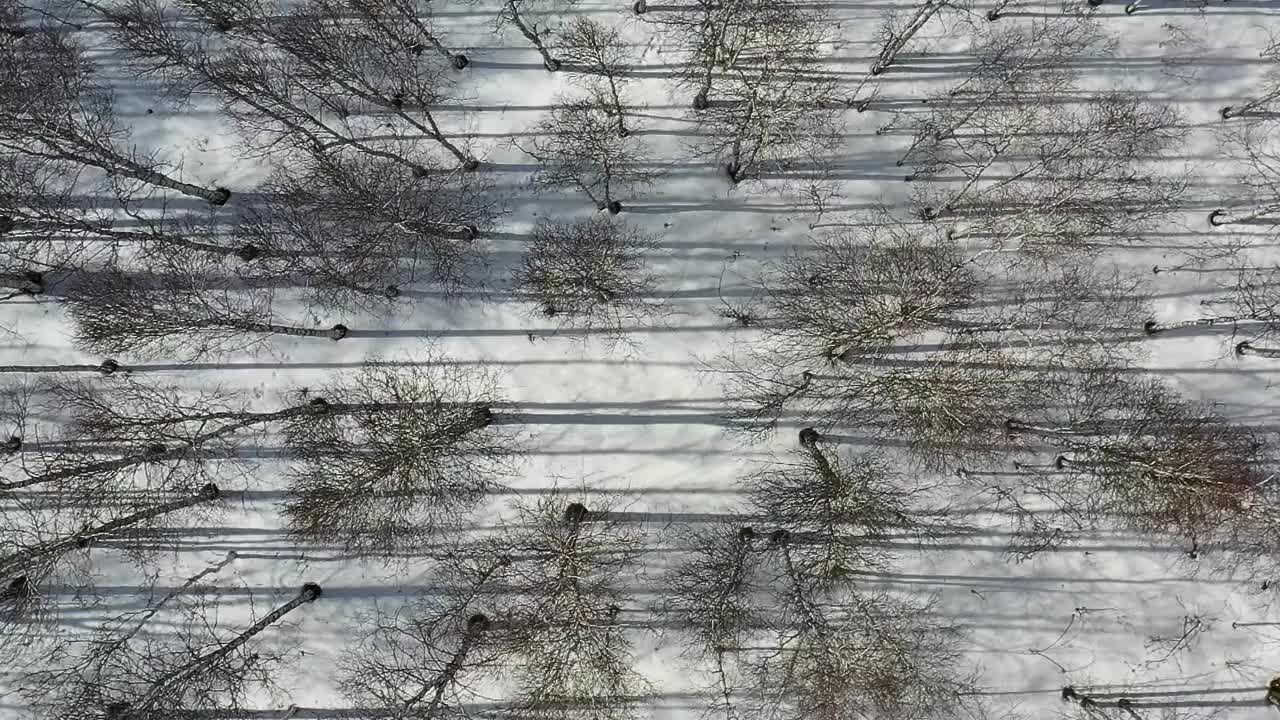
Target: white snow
643,419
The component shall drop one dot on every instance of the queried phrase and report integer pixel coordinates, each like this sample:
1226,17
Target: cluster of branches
778,610
904,335
388,456
1133,449
760,105
587,143
536,607
127,669
54,107
1016,155
317,77
590,274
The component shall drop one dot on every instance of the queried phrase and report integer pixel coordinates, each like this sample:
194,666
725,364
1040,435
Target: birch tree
765,121
1255,202
558,646
580,148
783,623
390,457
303,82
358,230
123,444
52,105
191,309
599,52
1039,171
131,673
571,650
590,274
529,17
1261,102
45,555
1135,449
740,39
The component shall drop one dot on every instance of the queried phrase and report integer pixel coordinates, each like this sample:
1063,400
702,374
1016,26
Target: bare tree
1134,449
303,81
389,457
896,32
68,657
538,602
894,333
1036,168
125,445
790,642
860,291
579,147
589,274
130,673
777,607
741,39
44,555
44,218
53,106
1253,145
360,228
1259,104
1064,179
25,565
376,64
770,120
835,505
394,17
190,308
564,632
1252,301
590,47
524,14
418,661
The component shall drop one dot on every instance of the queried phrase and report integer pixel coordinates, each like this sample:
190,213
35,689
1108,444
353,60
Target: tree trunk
1018,426
476,626
24,283
1231,111
820,461
13,565
1151,327
1246,217
899,41
1246,348
480,417
994,13
51,369
216,197
550,63
449,231
139,709
337,332
617,106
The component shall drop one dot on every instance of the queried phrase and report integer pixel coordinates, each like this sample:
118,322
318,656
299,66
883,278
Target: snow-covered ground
1112,613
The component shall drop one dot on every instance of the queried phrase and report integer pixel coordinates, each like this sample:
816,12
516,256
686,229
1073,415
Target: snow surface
645,419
